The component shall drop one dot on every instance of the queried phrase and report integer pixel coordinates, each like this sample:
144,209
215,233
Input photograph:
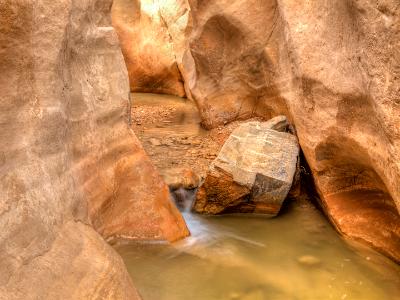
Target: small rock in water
309,260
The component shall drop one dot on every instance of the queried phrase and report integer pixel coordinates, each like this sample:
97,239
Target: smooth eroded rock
151,33
368,216
231,66
79,265
253,172
68,159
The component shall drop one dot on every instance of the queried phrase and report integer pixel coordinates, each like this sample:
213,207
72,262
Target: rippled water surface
297,255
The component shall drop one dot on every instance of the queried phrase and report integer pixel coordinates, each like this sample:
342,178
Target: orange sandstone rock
151,33
68,158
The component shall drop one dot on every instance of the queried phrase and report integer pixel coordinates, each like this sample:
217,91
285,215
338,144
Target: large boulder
253,172
68,160
152,35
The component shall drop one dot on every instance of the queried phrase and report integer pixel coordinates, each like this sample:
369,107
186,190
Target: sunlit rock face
152,35
68,159
332,68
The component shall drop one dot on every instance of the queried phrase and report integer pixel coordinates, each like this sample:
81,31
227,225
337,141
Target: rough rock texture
333,68
253,172
67,155
152,35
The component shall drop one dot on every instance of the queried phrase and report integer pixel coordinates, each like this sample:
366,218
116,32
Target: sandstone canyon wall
332,67
153,39
68,159
344,100
232,60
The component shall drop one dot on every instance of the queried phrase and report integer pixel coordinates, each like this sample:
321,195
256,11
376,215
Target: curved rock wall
233,60
152,35
68,159
343,102
333,69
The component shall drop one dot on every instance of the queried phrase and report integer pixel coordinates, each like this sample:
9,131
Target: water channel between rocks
297,255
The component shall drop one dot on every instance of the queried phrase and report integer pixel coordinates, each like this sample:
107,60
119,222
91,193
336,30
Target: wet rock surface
361,214
253,172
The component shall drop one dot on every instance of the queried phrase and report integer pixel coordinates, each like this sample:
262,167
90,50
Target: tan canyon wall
333,68
69,162
153,39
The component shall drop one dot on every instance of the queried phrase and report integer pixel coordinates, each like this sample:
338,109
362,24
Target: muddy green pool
297,255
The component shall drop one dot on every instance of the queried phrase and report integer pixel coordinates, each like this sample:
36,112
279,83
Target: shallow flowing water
297,255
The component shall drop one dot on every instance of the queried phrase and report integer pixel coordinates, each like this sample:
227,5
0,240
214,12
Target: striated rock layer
68,159
152,35
332,68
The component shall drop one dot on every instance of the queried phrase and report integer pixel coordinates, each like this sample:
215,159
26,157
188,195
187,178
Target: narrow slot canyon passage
199,149
297,255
